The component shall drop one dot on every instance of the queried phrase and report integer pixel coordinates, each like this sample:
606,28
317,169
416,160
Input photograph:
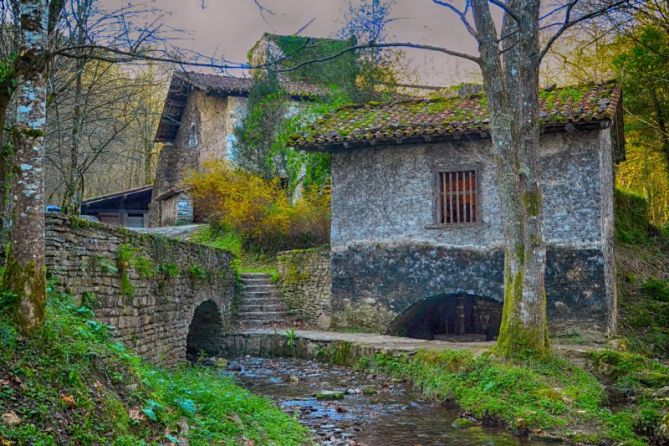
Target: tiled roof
441,118
230,85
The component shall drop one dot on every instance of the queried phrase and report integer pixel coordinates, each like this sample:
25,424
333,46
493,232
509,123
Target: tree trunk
72,197
6,163
662,127
6,158
25,272
511,82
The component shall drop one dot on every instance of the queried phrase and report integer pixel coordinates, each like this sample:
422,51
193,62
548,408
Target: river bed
375,410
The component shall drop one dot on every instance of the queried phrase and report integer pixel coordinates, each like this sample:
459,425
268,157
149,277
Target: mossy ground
643,296
552,397
247,261
70,383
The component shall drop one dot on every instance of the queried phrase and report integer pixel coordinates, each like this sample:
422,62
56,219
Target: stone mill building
416,226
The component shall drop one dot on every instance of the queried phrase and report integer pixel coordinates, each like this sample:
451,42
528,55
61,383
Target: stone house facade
197,124
416,226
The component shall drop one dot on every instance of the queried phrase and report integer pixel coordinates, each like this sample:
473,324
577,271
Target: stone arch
205,331
454,317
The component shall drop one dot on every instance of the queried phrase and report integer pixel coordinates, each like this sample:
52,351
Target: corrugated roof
411,121
121,194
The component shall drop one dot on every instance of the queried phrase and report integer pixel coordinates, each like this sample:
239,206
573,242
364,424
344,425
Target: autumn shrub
259,210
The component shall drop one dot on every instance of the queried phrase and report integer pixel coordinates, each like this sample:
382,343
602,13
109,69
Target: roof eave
477,135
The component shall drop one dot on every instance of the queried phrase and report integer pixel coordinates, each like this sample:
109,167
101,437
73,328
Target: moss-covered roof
438,118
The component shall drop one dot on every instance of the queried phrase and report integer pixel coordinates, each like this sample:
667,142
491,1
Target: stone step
254,308
261,301
255,276
264,293
246,283
259,287
264,316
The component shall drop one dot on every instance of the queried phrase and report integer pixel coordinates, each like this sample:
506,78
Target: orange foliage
259,210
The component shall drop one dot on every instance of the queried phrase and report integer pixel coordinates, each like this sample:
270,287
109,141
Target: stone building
416,228
200,113
198,119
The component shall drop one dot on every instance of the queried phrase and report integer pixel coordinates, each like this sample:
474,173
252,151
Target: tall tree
511,80
9,42
379,68
25,273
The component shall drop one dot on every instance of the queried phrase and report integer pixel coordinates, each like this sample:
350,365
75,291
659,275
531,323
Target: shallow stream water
375,411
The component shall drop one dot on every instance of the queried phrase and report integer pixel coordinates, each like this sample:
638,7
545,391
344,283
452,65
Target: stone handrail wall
146,287
305,284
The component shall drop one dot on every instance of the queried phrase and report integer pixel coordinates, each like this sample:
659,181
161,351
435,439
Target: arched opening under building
450,317
205,331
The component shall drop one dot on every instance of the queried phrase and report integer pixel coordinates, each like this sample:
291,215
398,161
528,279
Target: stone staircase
260,303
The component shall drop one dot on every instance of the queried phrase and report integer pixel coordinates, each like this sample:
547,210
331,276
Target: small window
457,197
192,136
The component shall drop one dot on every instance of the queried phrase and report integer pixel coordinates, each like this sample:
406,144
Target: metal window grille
457,194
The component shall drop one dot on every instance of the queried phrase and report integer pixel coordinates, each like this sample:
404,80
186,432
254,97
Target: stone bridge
163,297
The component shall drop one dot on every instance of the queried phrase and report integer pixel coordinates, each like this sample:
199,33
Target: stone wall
387,254
305,285
146,287
202,136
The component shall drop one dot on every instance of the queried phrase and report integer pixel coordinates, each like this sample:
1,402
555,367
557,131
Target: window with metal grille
457,197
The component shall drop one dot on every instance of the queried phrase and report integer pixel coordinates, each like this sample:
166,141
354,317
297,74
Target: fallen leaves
10,418
68,400
136,414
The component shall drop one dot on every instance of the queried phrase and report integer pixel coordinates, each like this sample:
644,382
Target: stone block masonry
305,285
146,287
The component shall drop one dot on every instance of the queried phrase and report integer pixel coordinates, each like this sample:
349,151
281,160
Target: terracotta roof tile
395,122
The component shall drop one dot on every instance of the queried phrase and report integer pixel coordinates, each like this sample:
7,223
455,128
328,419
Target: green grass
631,218
529,396
247,262
70,383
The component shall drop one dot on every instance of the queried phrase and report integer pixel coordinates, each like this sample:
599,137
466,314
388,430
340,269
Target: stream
375,410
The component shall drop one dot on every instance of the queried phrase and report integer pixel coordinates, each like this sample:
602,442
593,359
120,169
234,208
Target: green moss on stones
532,203
197,272
169,270
515,338
123,258
28,283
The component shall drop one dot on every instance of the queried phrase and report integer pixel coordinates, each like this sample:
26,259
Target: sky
228,28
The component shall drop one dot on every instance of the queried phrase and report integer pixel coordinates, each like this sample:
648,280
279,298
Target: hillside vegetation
70,383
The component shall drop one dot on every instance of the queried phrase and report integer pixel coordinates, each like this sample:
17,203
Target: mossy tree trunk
6,159
511,80
25,270
7,86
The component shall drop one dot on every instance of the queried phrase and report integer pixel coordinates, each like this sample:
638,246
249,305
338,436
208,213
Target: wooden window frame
446,168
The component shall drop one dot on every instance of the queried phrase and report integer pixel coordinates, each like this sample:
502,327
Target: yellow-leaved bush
259,210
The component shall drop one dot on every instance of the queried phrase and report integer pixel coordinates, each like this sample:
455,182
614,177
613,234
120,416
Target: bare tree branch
382,45
461,14
568,22
506,9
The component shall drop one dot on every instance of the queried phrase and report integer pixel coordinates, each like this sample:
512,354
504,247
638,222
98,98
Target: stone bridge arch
450,316
205,330
152,290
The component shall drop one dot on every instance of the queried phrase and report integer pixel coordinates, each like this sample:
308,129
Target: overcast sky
229,28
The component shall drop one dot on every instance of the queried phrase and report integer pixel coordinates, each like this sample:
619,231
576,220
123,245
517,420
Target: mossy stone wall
142,285
305,284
